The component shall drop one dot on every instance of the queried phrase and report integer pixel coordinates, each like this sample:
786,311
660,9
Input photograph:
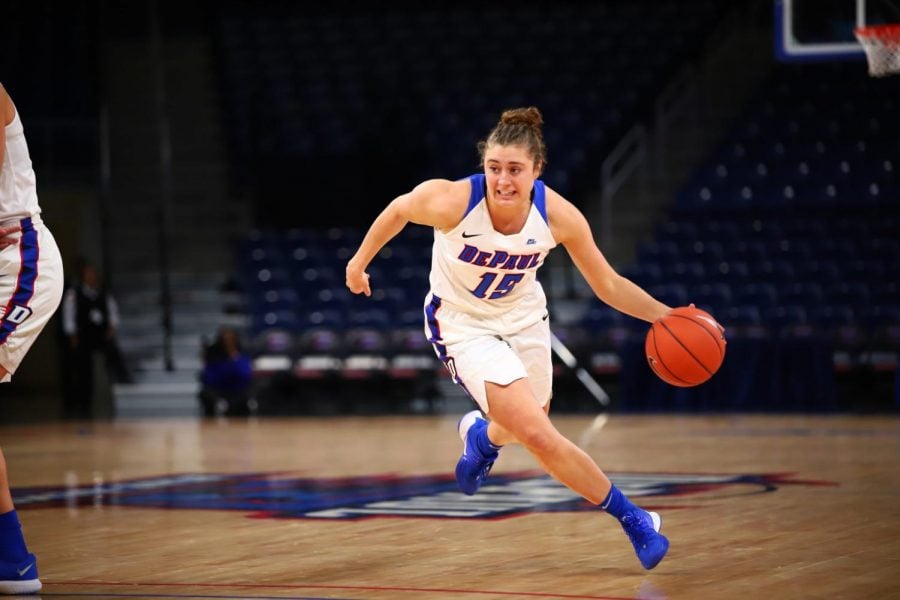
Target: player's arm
8,111
436,203
571,229
5,105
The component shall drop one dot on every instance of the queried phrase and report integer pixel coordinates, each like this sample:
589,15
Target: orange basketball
685,347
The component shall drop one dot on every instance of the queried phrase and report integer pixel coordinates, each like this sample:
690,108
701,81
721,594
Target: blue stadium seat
733,272
672,294
659,252
680,232
832,316
708,251
848,293
690,272
713,297
643,273
275,319
600,317
739,316
321,340
802,293
362,339
783,316
368,318
778,271
762,295
274,340
328,318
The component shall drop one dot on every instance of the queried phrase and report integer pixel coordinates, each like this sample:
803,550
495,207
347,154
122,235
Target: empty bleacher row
790,235
819,137
309,93
795,219
775,271
316,344
294,280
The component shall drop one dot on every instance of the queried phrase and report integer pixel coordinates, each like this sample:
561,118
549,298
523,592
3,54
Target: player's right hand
6,236
358,281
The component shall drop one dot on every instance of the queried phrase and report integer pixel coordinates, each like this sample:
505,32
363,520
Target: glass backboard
822,30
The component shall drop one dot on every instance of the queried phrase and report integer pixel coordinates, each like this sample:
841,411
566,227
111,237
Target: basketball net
882,46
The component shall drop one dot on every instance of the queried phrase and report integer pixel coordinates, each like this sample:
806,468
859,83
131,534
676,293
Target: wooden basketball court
768,507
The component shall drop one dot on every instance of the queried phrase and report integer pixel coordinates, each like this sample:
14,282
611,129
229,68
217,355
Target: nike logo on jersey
470,235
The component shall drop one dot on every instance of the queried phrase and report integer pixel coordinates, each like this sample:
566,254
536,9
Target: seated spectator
227,377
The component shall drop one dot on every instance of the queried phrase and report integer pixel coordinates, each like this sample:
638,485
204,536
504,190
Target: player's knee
541,441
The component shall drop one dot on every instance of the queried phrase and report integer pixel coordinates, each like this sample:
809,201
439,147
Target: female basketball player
31,285
486,313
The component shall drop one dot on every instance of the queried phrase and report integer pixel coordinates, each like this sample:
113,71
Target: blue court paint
281,496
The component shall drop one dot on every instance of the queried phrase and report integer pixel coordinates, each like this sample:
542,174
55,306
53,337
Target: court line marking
181,596
360,588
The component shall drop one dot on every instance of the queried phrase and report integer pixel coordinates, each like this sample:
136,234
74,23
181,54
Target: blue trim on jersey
28,270
540,199
440,349
433,328
477,193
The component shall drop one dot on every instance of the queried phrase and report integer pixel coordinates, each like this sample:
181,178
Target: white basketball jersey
479,271
18,188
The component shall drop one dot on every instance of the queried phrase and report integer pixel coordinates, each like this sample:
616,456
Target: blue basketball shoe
473,466
20,578
642,528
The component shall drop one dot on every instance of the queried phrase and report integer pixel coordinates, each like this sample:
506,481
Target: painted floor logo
282,496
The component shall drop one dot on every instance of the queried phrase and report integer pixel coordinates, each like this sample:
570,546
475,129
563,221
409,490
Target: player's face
510,173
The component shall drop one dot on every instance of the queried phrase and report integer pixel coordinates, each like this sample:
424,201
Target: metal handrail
624,159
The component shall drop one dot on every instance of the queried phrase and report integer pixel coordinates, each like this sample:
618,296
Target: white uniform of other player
31,272
486,314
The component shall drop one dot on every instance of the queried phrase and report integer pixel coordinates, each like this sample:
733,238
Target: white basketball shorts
476,350
31,287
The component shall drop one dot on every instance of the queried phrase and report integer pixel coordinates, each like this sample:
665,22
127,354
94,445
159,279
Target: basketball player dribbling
31,286
486,313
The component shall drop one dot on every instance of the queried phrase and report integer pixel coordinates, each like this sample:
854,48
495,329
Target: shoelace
485,470
637,527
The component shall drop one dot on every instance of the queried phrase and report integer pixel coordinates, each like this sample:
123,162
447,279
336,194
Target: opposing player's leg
32,279
513,407
18,567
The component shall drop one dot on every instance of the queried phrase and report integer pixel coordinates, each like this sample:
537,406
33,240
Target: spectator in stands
31,282
90,321
486,312
227,376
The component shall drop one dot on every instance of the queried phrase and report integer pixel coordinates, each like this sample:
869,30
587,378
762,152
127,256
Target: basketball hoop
882,46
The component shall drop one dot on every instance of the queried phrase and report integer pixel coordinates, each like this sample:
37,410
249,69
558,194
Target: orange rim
882,33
